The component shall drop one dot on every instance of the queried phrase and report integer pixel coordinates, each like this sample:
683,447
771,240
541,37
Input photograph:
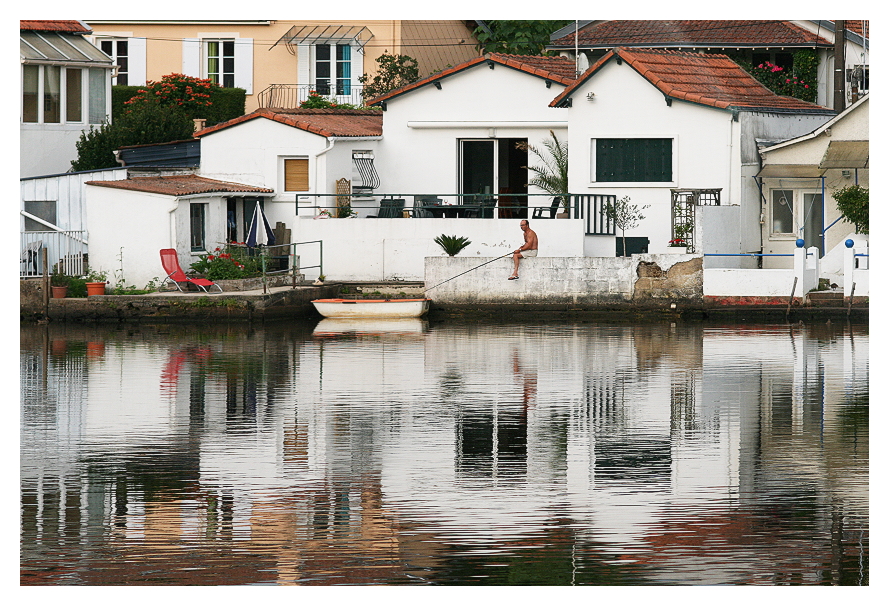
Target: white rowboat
371,308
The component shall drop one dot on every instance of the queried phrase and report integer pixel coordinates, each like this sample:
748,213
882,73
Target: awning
326,34
846,154
790,171
46,47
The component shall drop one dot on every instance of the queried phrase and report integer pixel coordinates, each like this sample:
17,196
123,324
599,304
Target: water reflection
400,453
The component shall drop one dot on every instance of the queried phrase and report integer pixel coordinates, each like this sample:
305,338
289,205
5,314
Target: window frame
201,239
338,85
674,146
123,71
30,225
223,77
782,235
60,98
798,211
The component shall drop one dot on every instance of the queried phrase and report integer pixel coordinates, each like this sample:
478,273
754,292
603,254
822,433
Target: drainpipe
173,223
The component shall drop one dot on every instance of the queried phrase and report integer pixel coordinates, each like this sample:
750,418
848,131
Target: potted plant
59,284
452,245
319,281
95,282
552,176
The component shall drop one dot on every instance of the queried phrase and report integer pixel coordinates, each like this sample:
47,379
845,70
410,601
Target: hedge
228,103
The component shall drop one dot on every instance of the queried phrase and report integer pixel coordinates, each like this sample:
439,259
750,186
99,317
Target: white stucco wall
748,282
47,149
419,155
378,249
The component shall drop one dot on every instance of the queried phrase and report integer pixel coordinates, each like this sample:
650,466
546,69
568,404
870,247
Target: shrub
231,263
150,123
393,71
853,201
221,105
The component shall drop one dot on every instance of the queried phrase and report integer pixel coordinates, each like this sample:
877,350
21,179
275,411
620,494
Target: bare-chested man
528,249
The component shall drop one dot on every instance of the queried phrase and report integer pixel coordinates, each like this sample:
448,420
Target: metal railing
66,252
589,207
290,96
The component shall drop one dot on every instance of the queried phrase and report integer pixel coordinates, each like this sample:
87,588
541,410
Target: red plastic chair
170,261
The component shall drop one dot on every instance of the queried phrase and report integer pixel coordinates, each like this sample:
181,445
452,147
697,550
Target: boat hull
371,308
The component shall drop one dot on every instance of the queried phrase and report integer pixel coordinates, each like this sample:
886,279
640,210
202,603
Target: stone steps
825,298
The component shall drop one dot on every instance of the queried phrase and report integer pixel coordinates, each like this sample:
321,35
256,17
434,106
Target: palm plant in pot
452,245
552,175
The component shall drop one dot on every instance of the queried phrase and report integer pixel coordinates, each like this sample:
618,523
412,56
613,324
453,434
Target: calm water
450,454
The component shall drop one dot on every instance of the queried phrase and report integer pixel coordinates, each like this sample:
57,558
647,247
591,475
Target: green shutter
634,160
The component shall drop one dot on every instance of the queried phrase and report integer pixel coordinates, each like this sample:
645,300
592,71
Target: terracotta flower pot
95,288
59,292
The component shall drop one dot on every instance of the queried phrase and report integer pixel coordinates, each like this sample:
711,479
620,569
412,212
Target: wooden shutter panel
296,174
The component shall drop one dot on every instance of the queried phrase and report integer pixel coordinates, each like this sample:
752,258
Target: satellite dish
583,63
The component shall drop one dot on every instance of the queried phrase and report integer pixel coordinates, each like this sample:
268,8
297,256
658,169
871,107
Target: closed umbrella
260,232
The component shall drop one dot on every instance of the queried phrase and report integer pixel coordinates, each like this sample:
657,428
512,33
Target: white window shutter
138,59
244,64
191,57
303,66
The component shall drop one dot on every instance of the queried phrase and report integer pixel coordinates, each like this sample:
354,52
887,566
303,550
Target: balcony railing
66,252
290,96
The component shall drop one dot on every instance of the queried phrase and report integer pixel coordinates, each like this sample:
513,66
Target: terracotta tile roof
557,69
704,78
862,28
180,185
73,27
644,33
325,122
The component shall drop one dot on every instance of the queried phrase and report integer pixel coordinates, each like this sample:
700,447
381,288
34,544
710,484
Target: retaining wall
651,280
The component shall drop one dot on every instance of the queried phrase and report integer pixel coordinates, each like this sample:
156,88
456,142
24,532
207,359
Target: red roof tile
644,33
180,185
325,122
557,69
862,28
704,78
73,27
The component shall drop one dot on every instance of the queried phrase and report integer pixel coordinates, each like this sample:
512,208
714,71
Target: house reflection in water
575,453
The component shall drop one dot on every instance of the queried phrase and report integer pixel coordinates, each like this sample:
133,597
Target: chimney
199,124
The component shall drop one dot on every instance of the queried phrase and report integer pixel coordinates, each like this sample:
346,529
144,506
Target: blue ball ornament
800,243
849,243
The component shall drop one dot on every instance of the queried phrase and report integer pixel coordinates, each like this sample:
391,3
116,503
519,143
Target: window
43,209
30,92
333,69
220,65
73,95
118,50
296,174
782,211
633,160
97,102
52,94
198,211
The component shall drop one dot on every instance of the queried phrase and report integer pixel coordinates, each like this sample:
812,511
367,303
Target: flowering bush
177,90
782,82
678,242
230,263
316,101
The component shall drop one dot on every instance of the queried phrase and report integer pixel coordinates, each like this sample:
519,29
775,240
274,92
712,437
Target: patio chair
170,261
391,208
420,202
552,210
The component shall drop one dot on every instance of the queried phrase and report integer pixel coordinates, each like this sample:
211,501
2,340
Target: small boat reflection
371,327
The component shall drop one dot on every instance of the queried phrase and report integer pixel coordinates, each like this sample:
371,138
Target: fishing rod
467,271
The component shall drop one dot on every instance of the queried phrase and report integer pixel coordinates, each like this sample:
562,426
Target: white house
798,177
676,132
465,130
65,88
131,220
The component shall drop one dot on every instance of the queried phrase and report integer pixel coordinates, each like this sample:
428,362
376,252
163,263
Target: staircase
825,298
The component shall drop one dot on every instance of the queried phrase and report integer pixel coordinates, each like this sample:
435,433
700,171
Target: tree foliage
516,37
149,123
393,71
853,201
625,215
